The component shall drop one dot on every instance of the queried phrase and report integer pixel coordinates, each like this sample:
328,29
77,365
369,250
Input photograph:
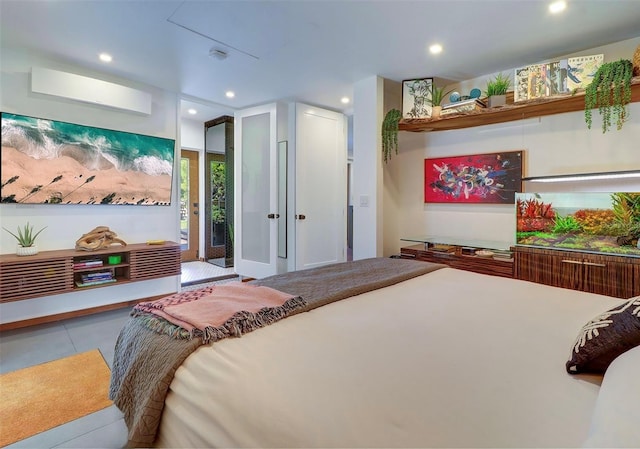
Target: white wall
66,223
367,170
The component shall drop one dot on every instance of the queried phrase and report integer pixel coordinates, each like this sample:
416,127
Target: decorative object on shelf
437,96
497,90
26,240
389,136
100,237
478,178
416,98
636,62
484,253
610,92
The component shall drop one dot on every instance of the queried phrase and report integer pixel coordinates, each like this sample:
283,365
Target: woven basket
636,62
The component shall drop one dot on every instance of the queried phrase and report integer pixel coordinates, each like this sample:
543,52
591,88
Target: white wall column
368,96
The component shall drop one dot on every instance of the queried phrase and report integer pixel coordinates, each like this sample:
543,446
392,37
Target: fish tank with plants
584,221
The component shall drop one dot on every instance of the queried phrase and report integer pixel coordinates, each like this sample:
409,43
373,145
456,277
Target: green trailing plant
498,86
610,92
390,133
438,94
25,237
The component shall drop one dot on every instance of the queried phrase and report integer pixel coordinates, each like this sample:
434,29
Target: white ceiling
311,51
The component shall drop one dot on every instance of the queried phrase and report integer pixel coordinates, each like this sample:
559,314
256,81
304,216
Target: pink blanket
223,310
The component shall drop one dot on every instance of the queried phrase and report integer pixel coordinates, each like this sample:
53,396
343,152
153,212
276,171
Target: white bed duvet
447,359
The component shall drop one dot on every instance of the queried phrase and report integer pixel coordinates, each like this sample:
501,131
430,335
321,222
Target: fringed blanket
229,310
145,360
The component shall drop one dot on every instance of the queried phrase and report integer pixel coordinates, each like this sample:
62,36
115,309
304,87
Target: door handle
195,212
273,216
301,217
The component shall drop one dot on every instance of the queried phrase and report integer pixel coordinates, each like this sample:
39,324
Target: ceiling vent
218,53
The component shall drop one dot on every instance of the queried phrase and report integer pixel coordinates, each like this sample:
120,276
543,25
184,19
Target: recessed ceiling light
230,94
105,57
557,7
345,100
192,111
435,49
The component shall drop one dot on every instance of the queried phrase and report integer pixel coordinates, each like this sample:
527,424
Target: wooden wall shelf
55,272
508,113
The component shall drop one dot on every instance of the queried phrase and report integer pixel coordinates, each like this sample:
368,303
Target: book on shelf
88,263
471,104
96,282
96,276
581,69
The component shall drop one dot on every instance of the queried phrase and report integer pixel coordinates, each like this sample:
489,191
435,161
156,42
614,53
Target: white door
255,234
321,187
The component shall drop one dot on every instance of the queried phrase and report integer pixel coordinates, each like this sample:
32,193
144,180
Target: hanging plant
610,92
390,133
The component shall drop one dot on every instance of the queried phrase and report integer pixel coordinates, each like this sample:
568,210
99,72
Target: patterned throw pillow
606,337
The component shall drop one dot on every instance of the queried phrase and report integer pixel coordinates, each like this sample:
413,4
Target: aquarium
595,222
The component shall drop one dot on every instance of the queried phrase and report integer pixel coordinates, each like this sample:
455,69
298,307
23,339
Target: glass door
216,247
189,205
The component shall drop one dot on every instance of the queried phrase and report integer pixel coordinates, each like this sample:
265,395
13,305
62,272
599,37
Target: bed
443,358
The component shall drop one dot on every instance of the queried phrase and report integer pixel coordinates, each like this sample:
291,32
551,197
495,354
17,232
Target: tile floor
30,346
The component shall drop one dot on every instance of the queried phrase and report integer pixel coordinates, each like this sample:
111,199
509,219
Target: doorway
218,185
189,205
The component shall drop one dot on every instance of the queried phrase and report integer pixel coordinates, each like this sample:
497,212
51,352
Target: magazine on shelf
537,83
556,77
521,84
581,69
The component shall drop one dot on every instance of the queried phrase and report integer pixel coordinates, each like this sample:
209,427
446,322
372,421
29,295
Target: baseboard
75,313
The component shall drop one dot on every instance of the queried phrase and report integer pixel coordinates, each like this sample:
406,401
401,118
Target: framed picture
477,178
46,161
416,98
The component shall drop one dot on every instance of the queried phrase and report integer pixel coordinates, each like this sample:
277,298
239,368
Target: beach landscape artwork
476,178
51,162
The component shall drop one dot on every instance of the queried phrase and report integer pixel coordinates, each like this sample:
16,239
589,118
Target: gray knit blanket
145,361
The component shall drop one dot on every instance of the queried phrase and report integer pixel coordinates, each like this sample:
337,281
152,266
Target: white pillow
616,416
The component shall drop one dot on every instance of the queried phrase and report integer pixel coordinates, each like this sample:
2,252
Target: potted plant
390,133
497,90
610,92
437,95
26,240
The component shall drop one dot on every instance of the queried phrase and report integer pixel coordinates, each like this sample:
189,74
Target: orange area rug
44,396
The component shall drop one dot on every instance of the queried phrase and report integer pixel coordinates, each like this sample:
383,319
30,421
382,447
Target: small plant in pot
26,238
497,90
437,95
